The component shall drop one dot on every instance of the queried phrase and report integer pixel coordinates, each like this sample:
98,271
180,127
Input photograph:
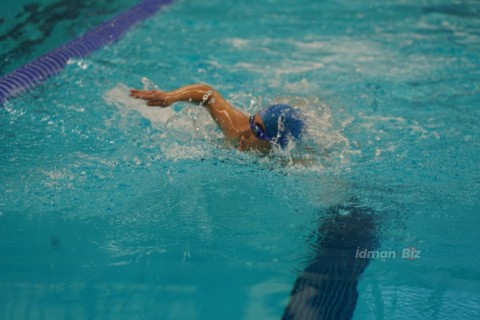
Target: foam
184,134
191,133
119,96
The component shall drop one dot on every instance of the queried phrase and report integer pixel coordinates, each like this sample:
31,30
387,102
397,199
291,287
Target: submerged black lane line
327,288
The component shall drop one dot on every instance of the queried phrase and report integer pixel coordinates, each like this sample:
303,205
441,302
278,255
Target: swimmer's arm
230,120
197,93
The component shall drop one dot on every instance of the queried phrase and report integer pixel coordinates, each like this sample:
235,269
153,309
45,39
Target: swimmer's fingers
153,97
143,94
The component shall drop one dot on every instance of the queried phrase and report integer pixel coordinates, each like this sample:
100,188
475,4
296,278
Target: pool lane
53,62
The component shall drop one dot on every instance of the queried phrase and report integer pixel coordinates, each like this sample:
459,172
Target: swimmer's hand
153,97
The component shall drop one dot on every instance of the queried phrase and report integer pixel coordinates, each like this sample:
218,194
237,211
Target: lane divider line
50,64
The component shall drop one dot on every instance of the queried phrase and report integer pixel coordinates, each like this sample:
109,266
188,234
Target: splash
149,84
190,133
119,97
183,134
323,146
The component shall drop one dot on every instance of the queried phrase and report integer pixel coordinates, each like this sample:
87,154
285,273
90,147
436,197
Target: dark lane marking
327,288
53,62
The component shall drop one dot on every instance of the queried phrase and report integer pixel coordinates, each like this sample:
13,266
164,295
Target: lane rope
50,64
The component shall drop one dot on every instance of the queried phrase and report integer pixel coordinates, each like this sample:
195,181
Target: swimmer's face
248,141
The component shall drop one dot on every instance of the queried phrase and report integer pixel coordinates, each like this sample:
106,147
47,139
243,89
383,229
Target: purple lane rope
54,61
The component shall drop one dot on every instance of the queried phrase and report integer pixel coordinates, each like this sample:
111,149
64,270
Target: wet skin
233,123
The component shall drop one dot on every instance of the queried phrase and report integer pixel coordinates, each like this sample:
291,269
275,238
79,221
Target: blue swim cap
282,121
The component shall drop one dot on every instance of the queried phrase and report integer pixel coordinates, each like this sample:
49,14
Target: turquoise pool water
29,29
112,210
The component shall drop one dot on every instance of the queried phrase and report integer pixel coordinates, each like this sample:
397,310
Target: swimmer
275,125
